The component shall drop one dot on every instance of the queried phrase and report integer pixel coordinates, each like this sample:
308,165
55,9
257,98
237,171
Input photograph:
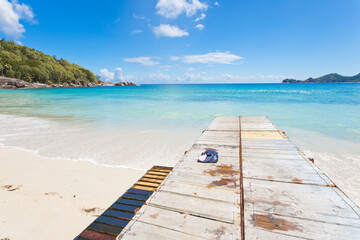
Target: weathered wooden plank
262,225
249,141
254,119
147,184
92,235
215,169
206,180
163,167
158,169
139,187
105,228
313,202
192,225
141,230
274,154
137,191
135,196
157,173
112,221
154,176
270,147
262,134
281,170
261,141
203,191
212,209
122,207
118,214
224,124
152,180
257,127
224,138
191,162
130,202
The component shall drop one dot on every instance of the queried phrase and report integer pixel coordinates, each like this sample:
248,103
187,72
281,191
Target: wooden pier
262,187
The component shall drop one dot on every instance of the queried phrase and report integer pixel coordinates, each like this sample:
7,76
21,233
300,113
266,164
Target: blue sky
186,41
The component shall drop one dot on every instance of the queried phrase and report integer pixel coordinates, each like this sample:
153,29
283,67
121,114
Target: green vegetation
30,65
329,78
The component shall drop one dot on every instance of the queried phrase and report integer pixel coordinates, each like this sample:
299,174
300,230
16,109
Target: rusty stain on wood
231,182
223,169
271,222
211,149
154,215
296,180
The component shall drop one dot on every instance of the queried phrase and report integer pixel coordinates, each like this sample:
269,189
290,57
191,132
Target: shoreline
39,193
91,161
14,83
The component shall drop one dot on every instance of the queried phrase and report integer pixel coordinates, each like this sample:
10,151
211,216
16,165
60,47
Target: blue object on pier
209,156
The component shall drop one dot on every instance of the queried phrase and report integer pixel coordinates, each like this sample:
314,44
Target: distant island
22,67
329,78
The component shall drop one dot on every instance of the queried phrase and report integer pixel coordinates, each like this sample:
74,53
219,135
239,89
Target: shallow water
138,127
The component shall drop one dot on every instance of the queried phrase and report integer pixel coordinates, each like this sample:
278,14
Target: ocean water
137,127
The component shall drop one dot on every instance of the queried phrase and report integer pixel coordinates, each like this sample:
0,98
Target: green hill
329,78
30,65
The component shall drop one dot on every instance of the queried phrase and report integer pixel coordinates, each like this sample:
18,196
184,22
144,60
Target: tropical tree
31,65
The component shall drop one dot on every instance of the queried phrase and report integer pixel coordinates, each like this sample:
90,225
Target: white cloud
106,75
216,4
194,77
164,68
158,77
166,30
200,27
175,58
10,15
138,17
212,58
136,31
146,61
259,78
23,10
174,8
118,75
115,76
190,69
202,16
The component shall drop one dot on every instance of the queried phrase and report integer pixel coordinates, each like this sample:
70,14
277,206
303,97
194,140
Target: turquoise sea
138,127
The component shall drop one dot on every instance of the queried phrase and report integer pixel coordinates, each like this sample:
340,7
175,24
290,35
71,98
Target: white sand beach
53,198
